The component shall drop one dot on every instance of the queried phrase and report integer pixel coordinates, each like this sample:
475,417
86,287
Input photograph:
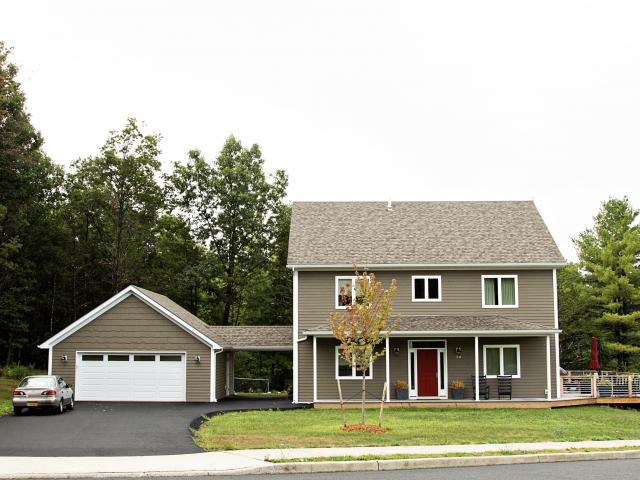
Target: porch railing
593,386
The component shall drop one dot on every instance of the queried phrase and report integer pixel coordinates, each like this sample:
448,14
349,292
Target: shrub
18,372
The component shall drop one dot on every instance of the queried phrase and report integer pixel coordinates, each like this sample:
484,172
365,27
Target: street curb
355,466
445,462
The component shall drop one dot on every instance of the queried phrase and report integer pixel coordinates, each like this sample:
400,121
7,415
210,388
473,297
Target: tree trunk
364,396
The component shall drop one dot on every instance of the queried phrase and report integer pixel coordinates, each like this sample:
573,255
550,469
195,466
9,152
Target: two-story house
476,297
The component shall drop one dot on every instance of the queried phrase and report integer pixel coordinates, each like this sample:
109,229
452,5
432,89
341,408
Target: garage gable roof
163,305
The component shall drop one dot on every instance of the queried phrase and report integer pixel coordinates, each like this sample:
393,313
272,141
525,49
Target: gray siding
461,294
132,325
533,368
221,374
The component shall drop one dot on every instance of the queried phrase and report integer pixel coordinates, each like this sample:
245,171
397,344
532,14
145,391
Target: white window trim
500,277
501,347
337,289
426,279
355,375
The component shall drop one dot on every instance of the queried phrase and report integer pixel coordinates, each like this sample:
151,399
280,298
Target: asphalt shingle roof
419,233
230,337
453,323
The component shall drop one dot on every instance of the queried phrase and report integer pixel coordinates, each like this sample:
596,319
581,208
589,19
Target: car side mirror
68,385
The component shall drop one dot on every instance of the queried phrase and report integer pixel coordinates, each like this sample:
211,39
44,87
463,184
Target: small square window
426,288
346,371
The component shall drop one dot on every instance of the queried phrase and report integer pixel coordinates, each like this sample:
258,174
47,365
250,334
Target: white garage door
146,377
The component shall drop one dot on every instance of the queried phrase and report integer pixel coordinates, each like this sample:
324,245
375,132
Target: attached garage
141,346
137,346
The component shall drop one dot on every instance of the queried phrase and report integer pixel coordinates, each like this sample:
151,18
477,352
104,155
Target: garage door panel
141,377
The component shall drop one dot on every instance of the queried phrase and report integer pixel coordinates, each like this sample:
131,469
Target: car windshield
37,382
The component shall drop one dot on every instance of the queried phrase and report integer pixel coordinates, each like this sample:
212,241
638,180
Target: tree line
211,234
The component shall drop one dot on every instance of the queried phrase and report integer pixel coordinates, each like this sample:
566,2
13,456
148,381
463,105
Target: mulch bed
360,428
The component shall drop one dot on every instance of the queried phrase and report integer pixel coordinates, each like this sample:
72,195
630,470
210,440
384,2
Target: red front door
428,373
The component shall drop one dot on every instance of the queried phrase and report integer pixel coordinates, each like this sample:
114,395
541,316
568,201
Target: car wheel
70,406
17,411
60,408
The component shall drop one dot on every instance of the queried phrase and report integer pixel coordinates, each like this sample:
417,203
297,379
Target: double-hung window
499,291
345,291
346,288
501,360
345,371
426,288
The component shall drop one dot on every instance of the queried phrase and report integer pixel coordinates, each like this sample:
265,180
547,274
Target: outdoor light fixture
197,358
459,351
64,358
396,350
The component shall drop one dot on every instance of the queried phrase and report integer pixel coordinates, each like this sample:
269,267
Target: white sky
442,100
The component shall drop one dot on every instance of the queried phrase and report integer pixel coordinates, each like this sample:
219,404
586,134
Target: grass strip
401,456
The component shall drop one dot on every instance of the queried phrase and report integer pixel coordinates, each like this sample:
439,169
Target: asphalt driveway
114,428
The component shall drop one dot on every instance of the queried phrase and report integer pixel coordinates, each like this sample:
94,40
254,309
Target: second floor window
345,291
499,291
426,288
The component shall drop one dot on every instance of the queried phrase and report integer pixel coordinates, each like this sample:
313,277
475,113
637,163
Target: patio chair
504,386
484,387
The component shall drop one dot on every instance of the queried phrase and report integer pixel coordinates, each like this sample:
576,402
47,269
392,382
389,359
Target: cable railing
604,386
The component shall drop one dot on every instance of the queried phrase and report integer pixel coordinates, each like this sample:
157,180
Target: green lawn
319,427
6,393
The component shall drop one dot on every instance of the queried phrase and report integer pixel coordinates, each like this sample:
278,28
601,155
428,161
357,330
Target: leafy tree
116,198
609,254
366,324
576,310
29,190
232,207
174,260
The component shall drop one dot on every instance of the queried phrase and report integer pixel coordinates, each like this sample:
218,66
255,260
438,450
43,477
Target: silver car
43,391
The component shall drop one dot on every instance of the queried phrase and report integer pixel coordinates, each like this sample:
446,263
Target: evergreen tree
609,254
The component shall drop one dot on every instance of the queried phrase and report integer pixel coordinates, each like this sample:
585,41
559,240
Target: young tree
232,207
365,325
609,255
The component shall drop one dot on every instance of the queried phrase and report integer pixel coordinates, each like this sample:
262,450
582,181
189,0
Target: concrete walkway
242,461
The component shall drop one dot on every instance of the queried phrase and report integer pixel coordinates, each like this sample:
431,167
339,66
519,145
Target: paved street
618,469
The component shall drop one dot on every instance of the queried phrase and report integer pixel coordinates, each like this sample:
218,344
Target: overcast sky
443,100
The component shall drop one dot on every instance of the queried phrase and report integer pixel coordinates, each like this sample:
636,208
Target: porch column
386,359
477,369
548,338
315,369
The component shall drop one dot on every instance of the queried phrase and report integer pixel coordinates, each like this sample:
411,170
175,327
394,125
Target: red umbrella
594,363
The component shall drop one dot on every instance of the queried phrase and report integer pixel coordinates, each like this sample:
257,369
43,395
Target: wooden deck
491,404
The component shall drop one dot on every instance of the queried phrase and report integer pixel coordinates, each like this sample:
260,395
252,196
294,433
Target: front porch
428,364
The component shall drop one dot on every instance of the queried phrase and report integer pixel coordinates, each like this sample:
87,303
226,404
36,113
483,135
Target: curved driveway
114,428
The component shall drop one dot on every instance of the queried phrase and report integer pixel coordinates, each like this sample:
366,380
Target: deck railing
593,386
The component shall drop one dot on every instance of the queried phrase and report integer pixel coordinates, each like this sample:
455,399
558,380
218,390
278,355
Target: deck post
477,369
548,367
